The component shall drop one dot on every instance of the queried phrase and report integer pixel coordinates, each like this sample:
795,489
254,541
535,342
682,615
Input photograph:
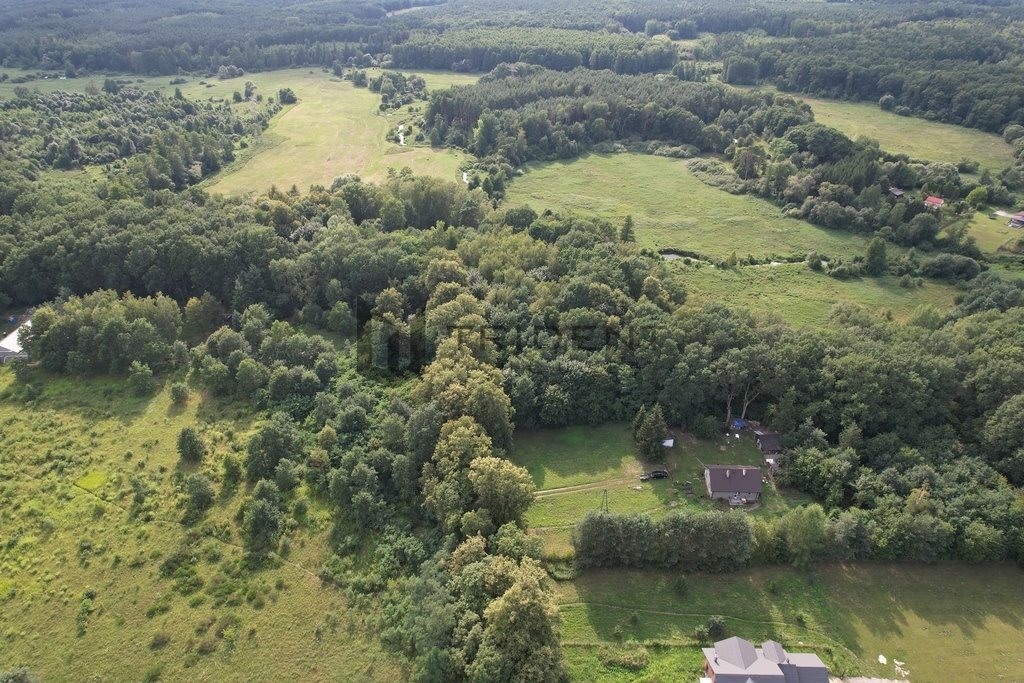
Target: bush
179,393
200,493
716,627
140,379
232,472
190,445
160,640
706,428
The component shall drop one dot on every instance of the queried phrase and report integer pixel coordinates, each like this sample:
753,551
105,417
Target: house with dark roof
933,202
896,192
738,484
735,660
769,443
1017,220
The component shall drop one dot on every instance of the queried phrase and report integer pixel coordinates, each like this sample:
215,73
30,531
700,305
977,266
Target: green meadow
672,209
625,625
804,297
101,580
916,137
334,129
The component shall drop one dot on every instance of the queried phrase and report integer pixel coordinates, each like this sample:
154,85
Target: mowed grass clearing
992,233
949,622
805,298
915,137
71,463
578,469
672,209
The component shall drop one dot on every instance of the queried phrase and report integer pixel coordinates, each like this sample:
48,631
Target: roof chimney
727,473
744,472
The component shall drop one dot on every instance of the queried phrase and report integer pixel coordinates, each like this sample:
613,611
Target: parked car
654,474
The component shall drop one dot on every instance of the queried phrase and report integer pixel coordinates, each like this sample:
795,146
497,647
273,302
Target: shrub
179,393
190,445
140,379
716,627
160,639
200,493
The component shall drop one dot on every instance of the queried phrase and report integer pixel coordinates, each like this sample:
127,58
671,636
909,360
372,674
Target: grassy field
71,464
943,623
915,137
918,138
992,233
333,130
805,298
574,467
672,209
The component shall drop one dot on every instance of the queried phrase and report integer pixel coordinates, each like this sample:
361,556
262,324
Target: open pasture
672,208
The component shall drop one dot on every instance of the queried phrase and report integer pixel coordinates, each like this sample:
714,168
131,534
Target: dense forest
392,336
952,62
909,434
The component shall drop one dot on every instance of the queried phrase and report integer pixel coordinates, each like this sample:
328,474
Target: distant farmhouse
1017,220
739,484
10,347
933,202
896,192
735,660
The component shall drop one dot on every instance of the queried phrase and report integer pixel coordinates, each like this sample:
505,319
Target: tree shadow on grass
947,595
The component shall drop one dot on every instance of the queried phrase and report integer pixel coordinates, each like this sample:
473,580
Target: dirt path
583,487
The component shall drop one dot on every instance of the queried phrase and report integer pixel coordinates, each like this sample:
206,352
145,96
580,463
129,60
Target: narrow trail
582,487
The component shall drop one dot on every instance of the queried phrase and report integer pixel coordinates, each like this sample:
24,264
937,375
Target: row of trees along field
520,113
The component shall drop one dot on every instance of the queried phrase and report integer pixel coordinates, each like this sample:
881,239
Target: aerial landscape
523,341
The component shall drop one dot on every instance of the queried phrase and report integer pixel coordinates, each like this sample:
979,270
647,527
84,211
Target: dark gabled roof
769,441
735,478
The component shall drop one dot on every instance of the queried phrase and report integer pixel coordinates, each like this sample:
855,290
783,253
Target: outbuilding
769,443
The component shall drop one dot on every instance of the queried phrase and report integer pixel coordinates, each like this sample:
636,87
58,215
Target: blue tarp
738,423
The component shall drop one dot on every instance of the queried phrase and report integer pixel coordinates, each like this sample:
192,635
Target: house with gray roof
738,484
735,660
